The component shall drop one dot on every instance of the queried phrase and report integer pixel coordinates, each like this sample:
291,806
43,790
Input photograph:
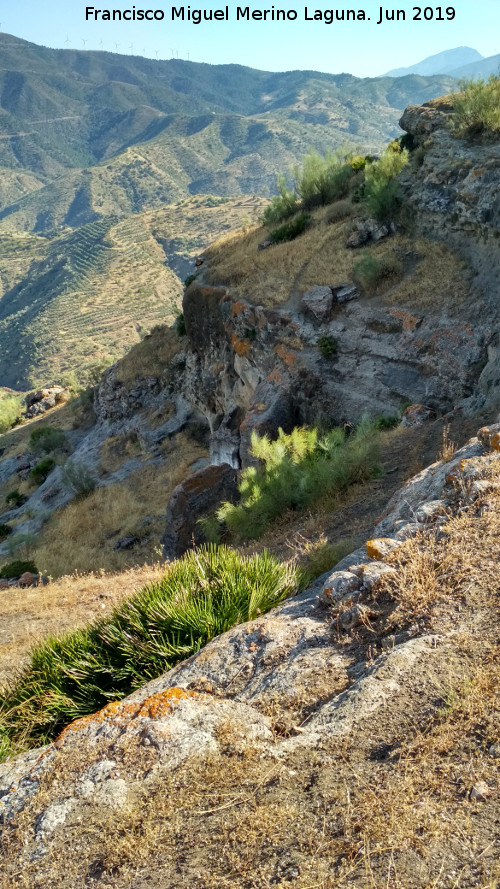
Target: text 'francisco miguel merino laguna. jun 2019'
379,14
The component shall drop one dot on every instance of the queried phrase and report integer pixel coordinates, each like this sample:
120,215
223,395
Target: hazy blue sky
363,48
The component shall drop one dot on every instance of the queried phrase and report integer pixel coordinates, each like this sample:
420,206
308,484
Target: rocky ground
348,738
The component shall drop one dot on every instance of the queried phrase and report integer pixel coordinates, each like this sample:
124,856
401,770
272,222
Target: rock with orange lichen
172,724
380,547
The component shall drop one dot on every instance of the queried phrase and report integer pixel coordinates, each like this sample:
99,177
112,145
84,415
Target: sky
362,47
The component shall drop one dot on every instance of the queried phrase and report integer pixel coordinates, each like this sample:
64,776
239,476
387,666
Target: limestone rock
339,584
318,302
196,497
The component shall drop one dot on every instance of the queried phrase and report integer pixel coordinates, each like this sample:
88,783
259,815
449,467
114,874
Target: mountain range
91,139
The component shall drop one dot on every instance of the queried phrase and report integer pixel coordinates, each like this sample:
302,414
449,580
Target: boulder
43,399
196,497
416,415
318,302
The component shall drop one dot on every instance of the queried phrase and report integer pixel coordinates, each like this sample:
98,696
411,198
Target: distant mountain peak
441,63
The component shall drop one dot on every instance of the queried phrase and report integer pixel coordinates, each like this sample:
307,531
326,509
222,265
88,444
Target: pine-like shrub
296,470
477,108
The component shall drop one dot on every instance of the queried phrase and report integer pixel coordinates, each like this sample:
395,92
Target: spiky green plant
200,596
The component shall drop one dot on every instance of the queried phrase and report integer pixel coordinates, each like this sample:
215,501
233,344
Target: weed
45,439
476,108
78,478
15,569
5,530
15,498
327,346
370,273
292,229
180,324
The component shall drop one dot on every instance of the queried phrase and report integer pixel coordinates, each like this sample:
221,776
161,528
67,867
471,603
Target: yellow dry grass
270,277
29,615
150,356
81,537
117,449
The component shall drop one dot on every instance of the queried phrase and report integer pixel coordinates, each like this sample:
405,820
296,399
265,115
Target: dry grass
149,357
117,449
29,615
81,536
436,280
421,274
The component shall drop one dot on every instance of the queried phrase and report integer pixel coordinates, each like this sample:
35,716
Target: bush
202,595
290,230
180,325
382,193
282,206
15,569
10,409
45,439
189,280
42,469
15,498
327,346
370,272
297,470
477,107
338,211
5,530
322,179
78,478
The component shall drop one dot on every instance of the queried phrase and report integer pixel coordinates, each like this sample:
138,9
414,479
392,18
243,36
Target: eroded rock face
196,497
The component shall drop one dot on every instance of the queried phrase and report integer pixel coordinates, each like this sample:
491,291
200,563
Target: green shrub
338,211
42,469
189,280
282,206
476,108
322,180
10,409
5,530
386,421
180,325
327,346
78,478
291,229
15,498
382,193
370,273
200,596
297,469
45,439
15,569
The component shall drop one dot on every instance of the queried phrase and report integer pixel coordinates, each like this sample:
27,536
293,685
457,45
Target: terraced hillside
86,295
172,127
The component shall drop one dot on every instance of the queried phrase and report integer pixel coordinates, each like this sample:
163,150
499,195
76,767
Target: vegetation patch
476,108
15,569
372,273
42,469
200,596
297,469
291,229
46,439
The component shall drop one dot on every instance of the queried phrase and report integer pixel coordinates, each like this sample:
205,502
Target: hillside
311,700
172,127
82,297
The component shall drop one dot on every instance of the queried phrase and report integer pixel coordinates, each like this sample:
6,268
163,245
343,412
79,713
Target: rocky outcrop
297,652
197,497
